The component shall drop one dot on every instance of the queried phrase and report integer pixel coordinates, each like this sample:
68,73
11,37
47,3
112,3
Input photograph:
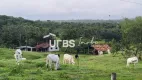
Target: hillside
17,31
90,68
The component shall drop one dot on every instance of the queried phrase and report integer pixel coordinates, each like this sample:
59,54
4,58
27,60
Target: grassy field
90,68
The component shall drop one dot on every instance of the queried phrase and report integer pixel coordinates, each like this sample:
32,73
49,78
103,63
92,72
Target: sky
71,9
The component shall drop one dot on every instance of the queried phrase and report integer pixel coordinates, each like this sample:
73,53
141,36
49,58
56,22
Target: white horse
53,59
18,55
68,59
132,60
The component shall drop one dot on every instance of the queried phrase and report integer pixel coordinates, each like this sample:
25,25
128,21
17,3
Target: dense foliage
122,35
132,36
18,31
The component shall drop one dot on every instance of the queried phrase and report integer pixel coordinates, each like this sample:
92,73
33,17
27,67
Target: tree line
124,35
18,31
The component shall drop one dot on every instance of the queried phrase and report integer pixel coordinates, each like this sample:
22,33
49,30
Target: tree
131,35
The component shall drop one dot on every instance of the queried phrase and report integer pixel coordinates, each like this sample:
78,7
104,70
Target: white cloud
70,9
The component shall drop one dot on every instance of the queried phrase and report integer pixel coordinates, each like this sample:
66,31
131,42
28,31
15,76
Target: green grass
90,68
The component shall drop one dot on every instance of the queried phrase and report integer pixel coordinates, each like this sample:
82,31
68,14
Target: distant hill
89,21
9,18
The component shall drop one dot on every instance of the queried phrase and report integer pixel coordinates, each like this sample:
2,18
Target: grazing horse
132,60
68,59
18,55
53,59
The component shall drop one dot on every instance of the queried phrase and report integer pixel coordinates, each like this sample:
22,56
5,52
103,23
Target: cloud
70,9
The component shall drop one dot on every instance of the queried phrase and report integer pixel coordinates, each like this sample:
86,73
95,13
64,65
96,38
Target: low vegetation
90,67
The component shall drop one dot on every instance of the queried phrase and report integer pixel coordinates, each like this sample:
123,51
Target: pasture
90,67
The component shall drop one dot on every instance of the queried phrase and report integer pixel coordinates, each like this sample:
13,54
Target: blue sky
71,9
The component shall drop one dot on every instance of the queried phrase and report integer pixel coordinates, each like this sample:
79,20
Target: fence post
113,76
